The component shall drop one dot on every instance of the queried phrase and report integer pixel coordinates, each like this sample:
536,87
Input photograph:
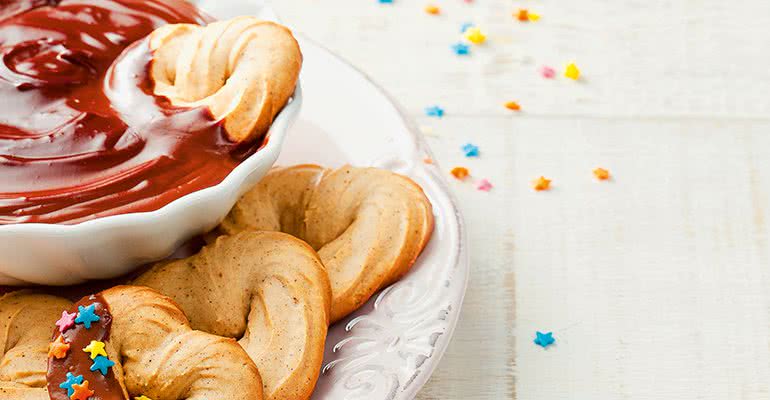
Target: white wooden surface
656,284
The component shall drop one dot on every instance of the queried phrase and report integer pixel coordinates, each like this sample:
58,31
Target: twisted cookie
25,331
123,340
267,288
368,225
244,70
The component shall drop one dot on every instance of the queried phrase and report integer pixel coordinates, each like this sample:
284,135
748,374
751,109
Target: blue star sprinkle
461,49
434,111
86,315
71,380
544,339
471,150
102,363
464,27
386,1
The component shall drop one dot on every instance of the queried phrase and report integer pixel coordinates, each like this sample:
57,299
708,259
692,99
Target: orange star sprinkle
460,172
59,348
512,105
427,160
523,15
542,184
433,10
81,392
601,174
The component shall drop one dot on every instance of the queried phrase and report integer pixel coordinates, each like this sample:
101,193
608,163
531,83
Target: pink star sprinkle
66,321
547,72
484,185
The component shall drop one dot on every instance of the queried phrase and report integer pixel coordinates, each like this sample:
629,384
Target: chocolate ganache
77,362
83,137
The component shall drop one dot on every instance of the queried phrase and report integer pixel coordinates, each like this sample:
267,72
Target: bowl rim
275,136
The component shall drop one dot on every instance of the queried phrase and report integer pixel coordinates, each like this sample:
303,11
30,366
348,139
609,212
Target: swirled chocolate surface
79,140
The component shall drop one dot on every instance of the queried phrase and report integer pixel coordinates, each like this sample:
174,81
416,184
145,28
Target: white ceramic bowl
107,247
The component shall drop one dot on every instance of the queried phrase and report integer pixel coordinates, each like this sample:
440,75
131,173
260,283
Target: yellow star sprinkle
431,9
572,71
96,349
533,17
142,398
474,35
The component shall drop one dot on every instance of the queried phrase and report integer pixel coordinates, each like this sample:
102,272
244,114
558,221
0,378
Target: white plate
388,348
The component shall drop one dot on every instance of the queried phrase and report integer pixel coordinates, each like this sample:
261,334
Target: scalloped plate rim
462,258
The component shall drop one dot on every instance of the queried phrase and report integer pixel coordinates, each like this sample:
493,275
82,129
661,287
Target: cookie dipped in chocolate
66,153
85,326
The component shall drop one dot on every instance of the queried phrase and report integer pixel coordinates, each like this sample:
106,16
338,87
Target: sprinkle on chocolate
58,348
86,316
66,321
95,348
89,369
81,391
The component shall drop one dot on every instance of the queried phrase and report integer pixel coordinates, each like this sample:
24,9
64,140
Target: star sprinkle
102,364
572,71
71,380
474,35
523,15
66,321
432,10
544,339
385,1
471,150
460,173
58,349
81,391
427,160
96,348
484,185
512,105
533,17
542,184
86,316
434,111
461,49
601,174
464,27
142,398
547,72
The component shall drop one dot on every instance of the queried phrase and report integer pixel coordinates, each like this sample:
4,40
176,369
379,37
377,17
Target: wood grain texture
656,283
